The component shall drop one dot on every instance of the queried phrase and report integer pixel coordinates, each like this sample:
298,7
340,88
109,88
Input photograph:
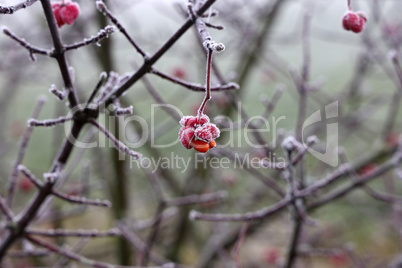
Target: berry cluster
198,133
354,21
65,12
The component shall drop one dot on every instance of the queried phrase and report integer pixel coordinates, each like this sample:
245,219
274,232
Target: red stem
349,5
207,97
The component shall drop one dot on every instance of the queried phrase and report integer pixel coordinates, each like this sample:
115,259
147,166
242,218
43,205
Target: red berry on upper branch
65,12
354,21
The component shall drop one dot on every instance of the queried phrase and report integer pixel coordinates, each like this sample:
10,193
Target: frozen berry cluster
354,21
197,132
65,12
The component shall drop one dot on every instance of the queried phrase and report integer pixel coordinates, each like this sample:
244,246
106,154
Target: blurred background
266,42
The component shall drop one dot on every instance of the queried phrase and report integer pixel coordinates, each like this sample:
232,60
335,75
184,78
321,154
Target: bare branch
15,8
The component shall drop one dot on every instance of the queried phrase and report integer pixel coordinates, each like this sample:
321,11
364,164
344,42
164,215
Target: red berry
339,259
69,12
200,128
271,256
354,21
392,139
186,135
207,132
200,146
367,169
65,12
179,72
190,120
56,11
25,185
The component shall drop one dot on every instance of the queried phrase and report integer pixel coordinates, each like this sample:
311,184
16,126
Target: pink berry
272,255
207,132
69,12
367,169
354,21
186,135
25,185
339,259
179,72
56,11
190,120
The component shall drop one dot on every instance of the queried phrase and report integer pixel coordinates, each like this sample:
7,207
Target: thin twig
6,209
395,101
31,49
118,144
15,8
193,86
48,122
103,8
268,211
81,200
28,254
158,98
77,233
74,256
139,244
197,199
21,151
240,240
208,96
102,34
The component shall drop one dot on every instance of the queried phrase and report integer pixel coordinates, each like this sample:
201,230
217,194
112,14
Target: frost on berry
186,135
192,121
197,132
207,132
69,12
354,21
66,12
56,12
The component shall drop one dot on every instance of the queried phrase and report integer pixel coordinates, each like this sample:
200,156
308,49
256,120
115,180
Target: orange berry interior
200,146
212,144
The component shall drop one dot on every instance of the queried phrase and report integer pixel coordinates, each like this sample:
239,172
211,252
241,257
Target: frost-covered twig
31,49
197,199
104,33
81,200
15,8
103,8
193,86
6,209
49,122
77,233
22,150
118,144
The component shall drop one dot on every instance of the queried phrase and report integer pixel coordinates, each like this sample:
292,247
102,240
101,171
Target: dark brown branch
102,34
158,54
31,49
263,213
193,86
103,8
77,233
15,8
59,53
